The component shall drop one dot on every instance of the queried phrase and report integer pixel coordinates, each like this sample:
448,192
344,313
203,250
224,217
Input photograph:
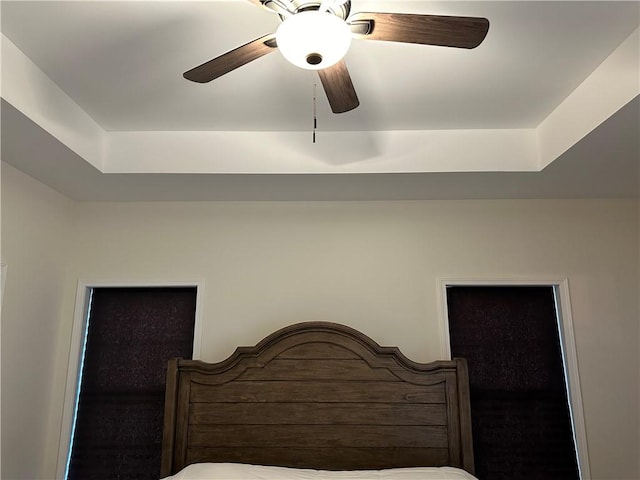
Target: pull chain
315,118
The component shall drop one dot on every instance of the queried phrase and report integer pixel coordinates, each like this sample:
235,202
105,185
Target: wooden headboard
317,395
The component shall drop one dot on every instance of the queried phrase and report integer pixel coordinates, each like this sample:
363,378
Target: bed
317,396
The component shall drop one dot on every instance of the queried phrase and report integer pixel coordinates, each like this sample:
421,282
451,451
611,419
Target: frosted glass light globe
313,39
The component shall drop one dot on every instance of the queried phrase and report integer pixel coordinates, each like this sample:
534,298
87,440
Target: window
130,335
520,410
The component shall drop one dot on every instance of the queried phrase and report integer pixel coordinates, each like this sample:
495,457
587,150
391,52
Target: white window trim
567,341
3,281
80,316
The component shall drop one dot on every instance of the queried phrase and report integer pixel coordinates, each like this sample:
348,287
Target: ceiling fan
316,35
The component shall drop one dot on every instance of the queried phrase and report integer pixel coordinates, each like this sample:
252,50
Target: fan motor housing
296,6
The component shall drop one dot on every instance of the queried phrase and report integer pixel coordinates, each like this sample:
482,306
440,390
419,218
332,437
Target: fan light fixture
313,39
316,34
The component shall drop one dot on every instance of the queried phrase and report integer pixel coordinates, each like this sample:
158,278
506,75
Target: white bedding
239,471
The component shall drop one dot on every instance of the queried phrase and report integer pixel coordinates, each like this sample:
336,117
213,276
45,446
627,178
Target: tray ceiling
121,64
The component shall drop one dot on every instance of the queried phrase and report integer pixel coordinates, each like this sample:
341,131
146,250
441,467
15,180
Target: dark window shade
520,414
132,334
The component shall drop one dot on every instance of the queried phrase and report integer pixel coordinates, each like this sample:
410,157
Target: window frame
567,343
76,349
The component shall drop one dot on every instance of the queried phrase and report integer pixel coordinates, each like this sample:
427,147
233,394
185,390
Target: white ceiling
121,62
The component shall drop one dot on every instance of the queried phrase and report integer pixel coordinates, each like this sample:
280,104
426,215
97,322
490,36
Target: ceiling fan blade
339,87
231,60
446,31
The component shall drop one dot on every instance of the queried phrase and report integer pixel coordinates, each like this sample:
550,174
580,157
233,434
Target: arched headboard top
312,341
318,395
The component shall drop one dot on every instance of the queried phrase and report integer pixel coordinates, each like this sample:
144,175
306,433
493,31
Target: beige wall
36,222
374,266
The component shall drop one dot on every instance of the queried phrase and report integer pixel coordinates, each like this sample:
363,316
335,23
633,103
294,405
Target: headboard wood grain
317,395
